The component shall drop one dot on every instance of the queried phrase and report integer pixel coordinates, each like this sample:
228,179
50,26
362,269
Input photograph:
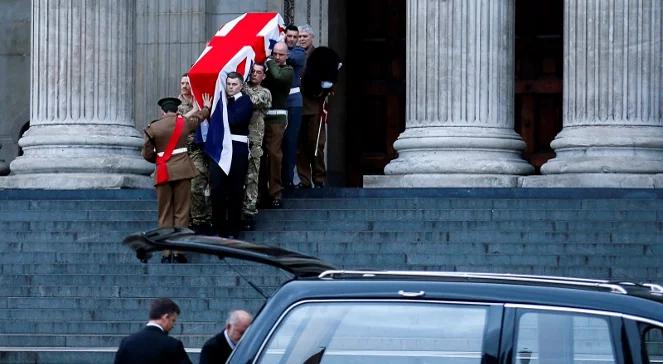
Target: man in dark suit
152,345
218,349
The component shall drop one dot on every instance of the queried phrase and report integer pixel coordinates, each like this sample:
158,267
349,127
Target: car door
562,335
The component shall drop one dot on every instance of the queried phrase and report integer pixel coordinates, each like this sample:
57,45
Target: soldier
201,208
297,59
262,101
318,79
227,190
164,145
278,81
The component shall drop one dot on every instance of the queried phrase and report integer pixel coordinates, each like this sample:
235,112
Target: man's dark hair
169,107
236,75
292,27
162,306
185,74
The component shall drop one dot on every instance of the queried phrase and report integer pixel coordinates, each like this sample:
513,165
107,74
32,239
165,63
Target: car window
378,332
654,344
563,338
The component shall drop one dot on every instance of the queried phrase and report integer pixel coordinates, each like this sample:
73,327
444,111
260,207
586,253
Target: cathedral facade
434,93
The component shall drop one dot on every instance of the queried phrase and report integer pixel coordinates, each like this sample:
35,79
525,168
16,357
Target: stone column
613,97
460,98
82,132
170,35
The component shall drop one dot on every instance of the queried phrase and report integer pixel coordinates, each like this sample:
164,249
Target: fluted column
170,35
613,96
460,98
82,132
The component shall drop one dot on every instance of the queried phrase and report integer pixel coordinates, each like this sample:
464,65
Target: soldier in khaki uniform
201,207
165,141
262,101
278,81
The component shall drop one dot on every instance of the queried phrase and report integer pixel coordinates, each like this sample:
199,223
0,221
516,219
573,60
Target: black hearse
325,315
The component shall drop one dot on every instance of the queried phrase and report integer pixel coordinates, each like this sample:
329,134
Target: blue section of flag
213,145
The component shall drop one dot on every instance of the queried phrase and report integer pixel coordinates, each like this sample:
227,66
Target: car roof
315,270
471,291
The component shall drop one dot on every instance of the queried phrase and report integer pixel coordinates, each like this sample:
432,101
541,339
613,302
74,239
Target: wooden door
375,64
539,52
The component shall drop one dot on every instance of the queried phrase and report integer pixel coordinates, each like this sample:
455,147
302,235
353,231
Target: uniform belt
294,90
277,112
175,151
239,138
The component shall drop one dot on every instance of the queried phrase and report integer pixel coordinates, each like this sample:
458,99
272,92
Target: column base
457,150
441,180
75,181
593,180
607,149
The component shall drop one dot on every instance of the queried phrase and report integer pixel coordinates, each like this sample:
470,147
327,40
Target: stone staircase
69,291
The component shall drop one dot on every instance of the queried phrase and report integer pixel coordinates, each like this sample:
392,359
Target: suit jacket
216,350
151,346
157,135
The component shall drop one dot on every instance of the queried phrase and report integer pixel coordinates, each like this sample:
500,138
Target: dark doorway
375,63
539,65
375,66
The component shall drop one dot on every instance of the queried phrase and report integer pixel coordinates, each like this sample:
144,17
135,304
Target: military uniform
278,81
297,59
173,194
201,207
227,190
322,66
262,101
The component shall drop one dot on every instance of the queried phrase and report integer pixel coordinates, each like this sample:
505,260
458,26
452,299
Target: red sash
162,169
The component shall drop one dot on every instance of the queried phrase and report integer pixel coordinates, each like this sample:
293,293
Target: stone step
470,203
469,244
192,304
70,355
126,281
267,224
215,267
86,340
105,314
80,215
76,226
461,215
104,327
370,237
70,205
57,291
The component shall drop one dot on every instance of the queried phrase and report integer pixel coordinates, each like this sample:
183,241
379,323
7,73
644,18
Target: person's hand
207,101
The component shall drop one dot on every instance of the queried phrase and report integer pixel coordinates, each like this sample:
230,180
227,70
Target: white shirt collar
237,95
230,342
155,325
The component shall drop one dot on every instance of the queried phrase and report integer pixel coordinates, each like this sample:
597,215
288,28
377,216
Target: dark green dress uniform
278,81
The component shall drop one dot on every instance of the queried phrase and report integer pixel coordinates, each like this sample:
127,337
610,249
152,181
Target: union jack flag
236,46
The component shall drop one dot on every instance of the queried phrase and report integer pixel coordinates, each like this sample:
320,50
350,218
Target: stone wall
15,71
